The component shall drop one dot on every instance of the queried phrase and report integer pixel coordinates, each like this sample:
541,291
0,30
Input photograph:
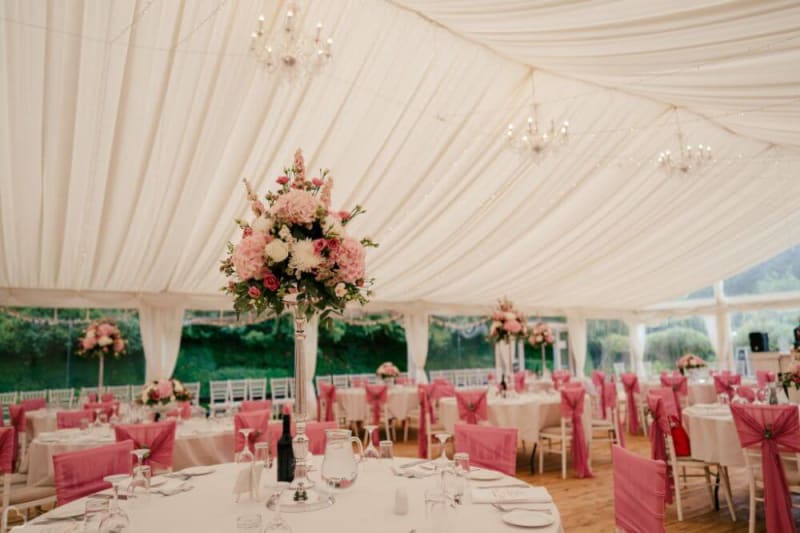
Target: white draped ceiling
127,126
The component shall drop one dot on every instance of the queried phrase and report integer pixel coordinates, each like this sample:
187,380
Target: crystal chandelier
291,53
530,139
688,159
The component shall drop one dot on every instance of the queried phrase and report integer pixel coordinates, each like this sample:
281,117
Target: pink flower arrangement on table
296,244
388,370
689,361
507,323
163,392
791,377
541,335
101,338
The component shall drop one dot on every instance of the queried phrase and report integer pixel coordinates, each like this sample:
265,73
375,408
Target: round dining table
198,442
713,434
366,507
401,401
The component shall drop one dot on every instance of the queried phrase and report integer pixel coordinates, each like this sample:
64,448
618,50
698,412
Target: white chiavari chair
237,391
63,398
32,395
218,396
122,393
341,381
257,389
281,392
194,389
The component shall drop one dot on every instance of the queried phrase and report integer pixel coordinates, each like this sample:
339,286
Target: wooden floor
587,505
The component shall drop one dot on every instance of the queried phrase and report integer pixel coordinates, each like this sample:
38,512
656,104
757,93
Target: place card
511,495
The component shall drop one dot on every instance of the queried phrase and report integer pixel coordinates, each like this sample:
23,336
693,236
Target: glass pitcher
340,466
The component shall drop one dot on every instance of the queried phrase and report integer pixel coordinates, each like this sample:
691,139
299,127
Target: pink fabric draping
560,377
72,419
255,405
668,399
157,437
723,383
680,387
377,396
106,397
92,397
425,417
441,388
17,415
774,429
494,448
638,492
358,382
598,380
316,435
763,377
631,384
33,404
519,381
78,474
109,408
326,397
572,408
658,433
8,446
472,406
255,420
610,397
747,393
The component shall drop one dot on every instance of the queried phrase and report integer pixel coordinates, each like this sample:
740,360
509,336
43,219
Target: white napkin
247,481
511,495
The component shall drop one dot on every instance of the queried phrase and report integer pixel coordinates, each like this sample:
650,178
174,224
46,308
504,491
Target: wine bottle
503,386
285,452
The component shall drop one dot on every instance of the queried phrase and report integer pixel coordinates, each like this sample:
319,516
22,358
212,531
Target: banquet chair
610,427
89,394
72,419
460,378
280,391
80,473
157,437
237,391
257,389
634,408
780,424
322,379
763,377
17,497
663,448
680,389
32,395
193,388
494,448
61,397
16,415
475,379
316,435
639,498
427,425
249,406
570,433
121,392
724,383
371,379
341,381
258,421
33,404
377,397
619,369
326,402
218,397
472,406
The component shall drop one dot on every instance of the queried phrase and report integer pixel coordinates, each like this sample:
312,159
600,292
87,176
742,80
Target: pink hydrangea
164,388
88,343
105,329
512,326
296,207
248,256
350,257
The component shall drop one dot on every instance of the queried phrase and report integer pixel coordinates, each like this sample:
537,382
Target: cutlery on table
511,507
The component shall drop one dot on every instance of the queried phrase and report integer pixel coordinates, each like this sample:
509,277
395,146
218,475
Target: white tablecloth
364,508
39,421
538,385
712,434
529,413
402,400
197,442
699,393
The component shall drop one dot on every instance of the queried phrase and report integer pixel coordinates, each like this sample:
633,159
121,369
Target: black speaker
759,341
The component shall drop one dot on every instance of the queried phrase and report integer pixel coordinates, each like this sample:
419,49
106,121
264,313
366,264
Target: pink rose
283,180
164,388
271,281
253,292
248,256
538,339
105,329
317,182
333,245
319,245
246,232
119,345
550,339
498,316
88,343
344,216
512,326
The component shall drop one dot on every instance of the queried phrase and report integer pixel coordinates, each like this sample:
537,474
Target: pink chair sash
255,420
598,380
72,419
610,397
668,399
106,397
723,383
680,387
425,408
776,428
109,408
747,393
78,474
638,492
441,388
489,447
327,395
34,404
255,405
763,377
17,414
631,384
560,377
519,381
92,397
157,437
316,435
377,396
572,408
8,447
472,406
658,433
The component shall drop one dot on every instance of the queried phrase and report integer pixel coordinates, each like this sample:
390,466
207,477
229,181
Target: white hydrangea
277,250
104,341
304,259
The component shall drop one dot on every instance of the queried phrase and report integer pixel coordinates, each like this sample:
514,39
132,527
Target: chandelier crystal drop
290,52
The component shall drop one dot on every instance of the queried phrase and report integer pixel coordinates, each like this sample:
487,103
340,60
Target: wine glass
263,454
139,487
386,450
370,452
246,455
277,524
116,521
248,523
443,437
94,511
461,469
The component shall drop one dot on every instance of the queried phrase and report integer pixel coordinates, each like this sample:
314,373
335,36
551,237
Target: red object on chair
519,381
316,435
774,429
763,377
489,447
572,407
72,419
326,398
441,388
258,421
472,407
256,405
377,396
723,383
598,380
158,437
631,384
109,408
658,432
17,415
33,404
560,377
78,474
8,448
747,393
638,492
425,416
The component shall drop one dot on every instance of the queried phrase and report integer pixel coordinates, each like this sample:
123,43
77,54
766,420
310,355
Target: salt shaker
400,501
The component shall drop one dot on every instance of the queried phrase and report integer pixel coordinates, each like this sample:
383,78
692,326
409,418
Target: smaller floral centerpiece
388,371
163,392
541,336
690,361
101,338
508,324
791,378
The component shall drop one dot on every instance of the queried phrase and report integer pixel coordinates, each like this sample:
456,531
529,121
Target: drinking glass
277,524
461,469
439,513
386,454
246,456
84,424
94,511
248,523
263,454
116,521
443,438
139,486
370,452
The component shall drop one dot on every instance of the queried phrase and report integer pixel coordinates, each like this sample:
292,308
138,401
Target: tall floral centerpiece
388,372
508,326
690,364
101,338
541,337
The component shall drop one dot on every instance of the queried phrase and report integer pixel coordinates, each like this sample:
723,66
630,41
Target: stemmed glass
117,520
443,438
370,452
97,422
277,524
246,455
139,487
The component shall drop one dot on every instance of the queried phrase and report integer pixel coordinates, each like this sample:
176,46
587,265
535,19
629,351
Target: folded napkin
511,495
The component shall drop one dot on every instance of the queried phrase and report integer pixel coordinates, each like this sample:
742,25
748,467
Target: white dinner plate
528,518
62,513
479,474
198,470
